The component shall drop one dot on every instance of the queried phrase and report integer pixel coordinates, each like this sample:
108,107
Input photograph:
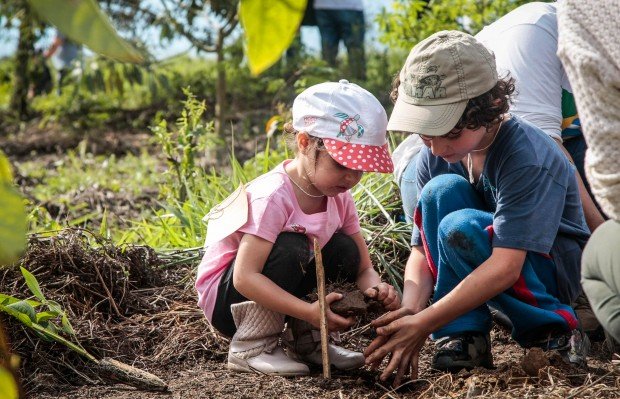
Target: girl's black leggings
288,267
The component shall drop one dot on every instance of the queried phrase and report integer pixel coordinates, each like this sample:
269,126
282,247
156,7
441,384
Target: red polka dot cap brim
368,158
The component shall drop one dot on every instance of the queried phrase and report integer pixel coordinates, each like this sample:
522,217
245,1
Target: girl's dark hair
291,142
482,110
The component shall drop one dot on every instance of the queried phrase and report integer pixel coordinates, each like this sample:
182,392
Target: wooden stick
320,284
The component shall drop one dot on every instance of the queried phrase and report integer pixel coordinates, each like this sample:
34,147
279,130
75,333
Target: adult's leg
600,275
286,266
353,29
330,37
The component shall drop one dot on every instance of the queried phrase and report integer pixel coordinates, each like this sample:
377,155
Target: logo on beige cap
427,85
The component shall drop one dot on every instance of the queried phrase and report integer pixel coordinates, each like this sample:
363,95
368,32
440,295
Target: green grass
73,183
168,224
77,172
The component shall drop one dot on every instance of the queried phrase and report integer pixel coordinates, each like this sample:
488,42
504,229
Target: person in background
485,178
41,76
342,20
250,280
294,51
589,48
63,53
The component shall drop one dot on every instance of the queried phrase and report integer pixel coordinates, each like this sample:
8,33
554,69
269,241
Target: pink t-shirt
273,209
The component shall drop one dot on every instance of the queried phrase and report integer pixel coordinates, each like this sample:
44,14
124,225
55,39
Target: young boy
498,220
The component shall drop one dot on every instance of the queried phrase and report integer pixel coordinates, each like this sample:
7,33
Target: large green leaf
33,284
84,22
24,308
7,300
12,217
270,26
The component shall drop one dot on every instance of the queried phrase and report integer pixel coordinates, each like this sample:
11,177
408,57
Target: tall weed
183,145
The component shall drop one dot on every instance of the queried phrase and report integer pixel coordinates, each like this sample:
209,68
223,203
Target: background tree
407,22
207,36
24,53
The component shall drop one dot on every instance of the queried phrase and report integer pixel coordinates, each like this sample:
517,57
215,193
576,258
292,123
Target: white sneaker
339,357
303,342
275,362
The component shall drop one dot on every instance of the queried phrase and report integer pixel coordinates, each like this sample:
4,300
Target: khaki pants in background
600,275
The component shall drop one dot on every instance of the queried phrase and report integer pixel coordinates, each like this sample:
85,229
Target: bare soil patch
34,139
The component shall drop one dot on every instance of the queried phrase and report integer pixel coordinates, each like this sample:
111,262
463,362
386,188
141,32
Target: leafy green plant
183,145
50,323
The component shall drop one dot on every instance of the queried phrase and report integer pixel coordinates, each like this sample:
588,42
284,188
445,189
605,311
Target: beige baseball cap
440,75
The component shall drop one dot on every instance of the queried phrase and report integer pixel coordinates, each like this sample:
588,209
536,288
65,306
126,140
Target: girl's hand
334,322
386,294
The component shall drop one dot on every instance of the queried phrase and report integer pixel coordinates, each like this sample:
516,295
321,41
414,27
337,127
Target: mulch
127,303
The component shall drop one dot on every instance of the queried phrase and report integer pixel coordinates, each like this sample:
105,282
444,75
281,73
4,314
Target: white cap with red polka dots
351,122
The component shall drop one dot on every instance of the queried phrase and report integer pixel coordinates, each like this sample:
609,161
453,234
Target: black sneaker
463,351
574,346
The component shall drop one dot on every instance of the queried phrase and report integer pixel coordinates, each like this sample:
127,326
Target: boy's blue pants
457,235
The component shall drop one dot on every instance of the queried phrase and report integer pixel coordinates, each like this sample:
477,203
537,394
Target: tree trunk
21,78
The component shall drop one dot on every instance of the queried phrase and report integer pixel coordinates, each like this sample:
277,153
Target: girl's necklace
302,190
470,162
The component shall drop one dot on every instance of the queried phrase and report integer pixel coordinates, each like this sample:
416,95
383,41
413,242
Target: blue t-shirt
530,187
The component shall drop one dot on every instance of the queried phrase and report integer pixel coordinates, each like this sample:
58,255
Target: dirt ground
127,304
124,304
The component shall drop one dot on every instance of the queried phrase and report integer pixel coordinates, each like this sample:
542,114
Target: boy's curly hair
484,110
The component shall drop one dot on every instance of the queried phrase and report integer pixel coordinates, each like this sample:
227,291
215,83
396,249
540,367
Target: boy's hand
389,317
386,294
401,340
334,322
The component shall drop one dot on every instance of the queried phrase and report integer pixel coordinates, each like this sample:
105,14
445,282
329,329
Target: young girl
249,281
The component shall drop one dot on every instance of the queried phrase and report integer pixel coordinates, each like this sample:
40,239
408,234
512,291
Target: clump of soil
535,360
353,302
